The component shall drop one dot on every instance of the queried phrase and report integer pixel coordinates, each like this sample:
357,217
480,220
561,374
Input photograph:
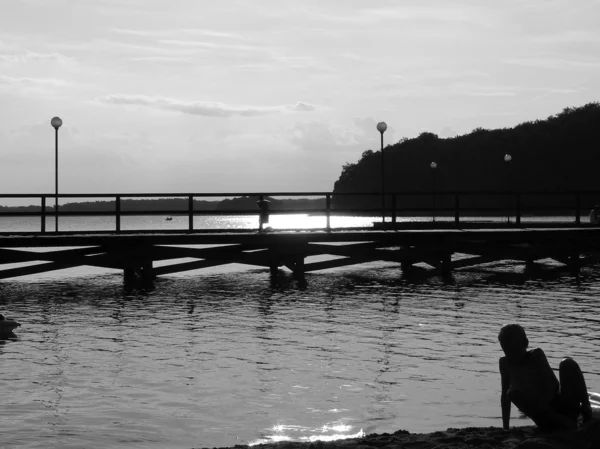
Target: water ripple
230,358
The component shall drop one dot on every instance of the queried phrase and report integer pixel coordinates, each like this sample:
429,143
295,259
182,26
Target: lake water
247,222
231,356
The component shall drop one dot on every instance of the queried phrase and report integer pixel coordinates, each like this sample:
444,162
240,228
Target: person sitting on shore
529,383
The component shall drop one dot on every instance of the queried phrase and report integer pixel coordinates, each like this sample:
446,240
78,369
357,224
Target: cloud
143,33
111,47
31,87
443,13
499,93
171,32
368,128
552,63
367,125
569,37
302,107
404,13
319,135
211,33
448,132
164,59
25,81
27,56
566,91
204,45
207,109
315,136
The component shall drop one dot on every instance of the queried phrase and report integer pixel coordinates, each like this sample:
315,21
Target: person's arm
504,399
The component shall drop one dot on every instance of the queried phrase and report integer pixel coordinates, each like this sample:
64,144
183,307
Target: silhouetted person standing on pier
595,215
263,217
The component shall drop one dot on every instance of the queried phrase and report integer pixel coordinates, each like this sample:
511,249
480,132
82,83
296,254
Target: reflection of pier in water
146,255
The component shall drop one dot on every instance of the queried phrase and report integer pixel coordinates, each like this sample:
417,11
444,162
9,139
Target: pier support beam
574,264
299,272
138,270
406,266
128,275
146,271
290,255
446,265
294,263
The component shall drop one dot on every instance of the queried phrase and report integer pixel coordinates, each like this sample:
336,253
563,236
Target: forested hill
561,152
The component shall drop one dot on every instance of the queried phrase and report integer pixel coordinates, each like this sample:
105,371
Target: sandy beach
586,437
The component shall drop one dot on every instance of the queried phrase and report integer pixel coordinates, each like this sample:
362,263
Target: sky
193,96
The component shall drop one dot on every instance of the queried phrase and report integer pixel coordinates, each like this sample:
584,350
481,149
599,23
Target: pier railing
449,208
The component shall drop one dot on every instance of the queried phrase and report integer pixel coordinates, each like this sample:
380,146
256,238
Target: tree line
557,154
175,204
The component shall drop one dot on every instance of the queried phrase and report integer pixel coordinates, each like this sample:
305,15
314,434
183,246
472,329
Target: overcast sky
247,95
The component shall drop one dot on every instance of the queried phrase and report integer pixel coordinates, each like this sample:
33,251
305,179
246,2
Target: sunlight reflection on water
249,222
328,432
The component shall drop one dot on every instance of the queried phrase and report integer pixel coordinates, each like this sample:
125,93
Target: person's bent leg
519,400
546,420
573,389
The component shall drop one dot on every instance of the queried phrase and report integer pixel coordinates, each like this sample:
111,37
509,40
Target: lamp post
381,127
56,123
433,166
507,160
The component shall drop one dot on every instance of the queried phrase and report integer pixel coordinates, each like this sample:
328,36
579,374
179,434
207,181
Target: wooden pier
443,246
144,255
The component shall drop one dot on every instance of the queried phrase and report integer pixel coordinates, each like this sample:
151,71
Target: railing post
518,211
118,213
394,208
261,198
456,209
328,211
43,214
577,208
191,212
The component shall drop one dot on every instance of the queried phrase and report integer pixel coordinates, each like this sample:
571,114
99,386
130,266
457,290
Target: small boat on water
7,325
169,218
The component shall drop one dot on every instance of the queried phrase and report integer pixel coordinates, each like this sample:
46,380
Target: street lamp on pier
381,127
433,166
507,160
56,123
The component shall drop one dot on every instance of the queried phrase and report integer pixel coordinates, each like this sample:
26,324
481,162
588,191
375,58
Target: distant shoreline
247,206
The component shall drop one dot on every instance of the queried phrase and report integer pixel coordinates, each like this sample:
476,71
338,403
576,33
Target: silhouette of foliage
559,153
249,203
175,205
